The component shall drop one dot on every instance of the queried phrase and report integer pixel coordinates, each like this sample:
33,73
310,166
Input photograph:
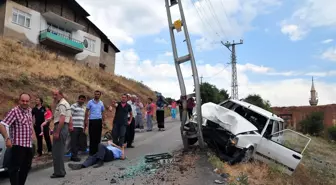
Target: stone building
61,26
293,115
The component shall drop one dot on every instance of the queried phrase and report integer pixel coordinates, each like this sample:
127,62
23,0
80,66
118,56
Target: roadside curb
36,167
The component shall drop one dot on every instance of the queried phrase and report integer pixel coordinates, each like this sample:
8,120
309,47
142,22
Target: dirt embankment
38,72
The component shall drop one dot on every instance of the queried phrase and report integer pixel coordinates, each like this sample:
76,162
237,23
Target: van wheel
192,141
248,155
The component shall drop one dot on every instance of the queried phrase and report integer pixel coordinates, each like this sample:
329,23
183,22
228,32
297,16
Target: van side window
276,128
269,128
228,105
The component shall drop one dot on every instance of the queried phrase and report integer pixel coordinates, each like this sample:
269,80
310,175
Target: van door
286,155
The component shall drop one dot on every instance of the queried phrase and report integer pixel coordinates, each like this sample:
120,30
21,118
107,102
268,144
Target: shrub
332,132
313,124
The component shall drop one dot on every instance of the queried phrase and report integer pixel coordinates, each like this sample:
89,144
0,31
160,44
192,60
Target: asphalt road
145,143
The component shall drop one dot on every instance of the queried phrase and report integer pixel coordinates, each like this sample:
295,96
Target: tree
313,124
210,93
255,99
169,100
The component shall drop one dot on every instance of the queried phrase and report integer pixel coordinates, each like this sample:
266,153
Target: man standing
78,116
38,116
94,116
20,123
120,121
138,117
62,117
130,132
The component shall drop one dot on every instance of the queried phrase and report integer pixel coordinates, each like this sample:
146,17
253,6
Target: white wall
80,35
38,23
31,33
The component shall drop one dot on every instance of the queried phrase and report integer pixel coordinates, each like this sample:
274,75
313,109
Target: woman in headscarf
160,113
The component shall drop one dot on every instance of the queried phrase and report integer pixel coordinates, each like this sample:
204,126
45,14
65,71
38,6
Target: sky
285,44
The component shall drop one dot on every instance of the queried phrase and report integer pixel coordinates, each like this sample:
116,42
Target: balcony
61,42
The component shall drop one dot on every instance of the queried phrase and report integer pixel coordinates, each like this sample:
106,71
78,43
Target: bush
332,132
313,124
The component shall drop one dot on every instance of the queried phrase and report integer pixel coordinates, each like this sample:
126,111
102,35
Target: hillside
37,71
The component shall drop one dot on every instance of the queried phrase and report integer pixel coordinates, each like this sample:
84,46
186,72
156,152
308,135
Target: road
145,143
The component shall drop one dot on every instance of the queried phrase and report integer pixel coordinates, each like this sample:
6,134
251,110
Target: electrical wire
209,77
203,22
212,10
226,15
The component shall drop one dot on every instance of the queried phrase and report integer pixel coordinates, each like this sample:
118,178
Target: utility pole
177,25
201,80
234,79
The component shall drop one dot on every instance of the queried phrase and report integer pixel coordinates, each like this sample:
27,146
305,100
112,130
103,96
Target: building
61,26
295,114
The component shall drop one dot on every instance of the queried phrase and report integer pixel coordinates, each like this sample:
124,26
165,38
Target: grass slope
318,167
37,71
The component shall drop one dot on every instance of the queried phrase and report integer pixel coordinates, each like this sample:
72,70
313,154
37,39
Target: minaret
313,95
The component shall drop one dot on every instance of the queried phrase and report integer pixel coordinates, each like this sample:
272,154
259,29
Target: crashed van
240,132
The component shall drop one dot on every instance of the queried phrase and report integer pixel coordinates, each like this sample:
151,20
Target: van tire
192,141
248,155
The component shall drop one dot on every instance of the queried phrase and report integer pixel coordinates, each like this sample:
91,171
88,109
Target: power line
209,77
199,15
226,15
212,10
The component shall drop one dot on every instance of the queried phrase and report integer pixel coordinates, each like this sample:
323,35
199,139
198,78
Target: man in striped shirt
20,139
78,116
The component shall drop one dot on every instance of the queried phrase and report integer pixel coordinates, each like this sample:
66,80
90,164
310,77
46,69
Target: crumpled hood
226,118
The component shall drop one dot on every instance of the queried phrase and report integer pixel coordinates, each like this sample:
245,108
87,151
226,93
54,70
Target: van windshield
256,119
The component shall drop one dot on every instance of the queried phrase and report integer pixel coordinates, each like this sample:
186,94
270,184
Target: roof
256,109
86,14
103,36
74,4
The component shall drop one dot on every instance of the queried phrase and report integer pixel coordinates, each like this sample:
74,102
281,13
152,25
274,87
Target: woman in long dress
160,113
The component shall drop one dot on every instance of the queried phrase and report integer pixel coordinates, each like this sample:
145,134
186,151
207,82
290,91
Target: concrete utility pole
201,80
177,25
234,79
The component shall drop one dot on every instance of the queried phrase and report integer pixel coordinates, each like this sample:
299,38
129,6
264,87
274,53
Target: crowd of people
73,120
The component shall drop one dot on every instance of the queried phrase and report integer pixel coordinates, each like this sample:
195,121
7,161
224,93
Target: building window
21,18
89,44
102,66
59,31
106,48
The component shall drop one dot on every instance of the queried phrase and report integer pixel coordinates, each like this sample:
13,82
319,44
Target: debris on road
219,182
113,181
148,165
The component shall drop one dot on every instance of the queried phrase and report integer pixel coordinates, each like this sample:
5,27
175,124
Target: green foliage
313,124
255,99
169,100
332,132
210,93
242,179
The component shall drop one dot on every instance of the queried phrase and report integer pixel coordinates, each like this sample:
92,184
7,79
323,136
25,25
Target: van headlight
234,141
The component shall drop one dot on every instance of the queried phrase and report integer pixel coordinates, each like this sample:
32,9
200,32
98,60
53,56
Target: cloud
162,77
168,53
294,32
327,41
160,41
312,14
329,54
129,19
